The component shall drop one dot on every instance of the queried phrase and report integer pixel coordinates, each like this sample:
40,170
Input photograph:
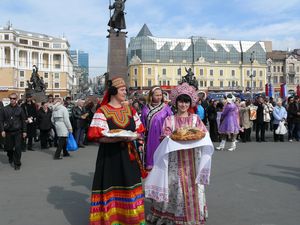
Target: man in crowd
13,128
80,122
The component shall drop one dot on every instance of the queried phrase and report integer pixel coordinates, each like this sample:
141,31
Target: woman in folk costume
117,195
229,123
153,116
181,168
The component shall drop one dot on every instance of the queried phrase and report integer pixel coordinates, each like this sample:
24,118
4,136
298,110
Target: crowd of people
24,122
175,174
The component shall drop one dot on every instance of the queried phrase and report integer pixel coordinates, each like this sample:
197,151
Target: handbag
281,130
71,143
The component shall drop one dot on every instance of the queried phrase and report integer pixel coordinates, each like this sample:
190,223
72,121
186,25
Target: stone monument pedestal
39,97
116,63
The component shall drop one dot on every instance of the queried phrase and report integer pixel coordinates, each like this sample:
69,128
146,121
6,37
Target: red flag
267,89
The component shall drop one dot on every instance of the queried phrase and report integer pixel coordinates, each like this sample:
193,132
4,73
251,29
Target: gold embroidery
121,117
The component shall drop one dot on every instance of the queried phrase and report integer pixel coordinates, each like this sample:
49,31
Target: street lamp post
251,73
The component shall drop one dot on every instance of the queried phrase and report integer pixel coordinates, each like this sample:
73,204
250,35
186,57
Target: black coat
260,113
292,111
78,121
30,111
44,119
12,119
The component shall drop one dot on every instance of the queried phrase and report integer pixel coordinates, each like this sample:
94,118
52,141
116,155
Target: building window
274,68
275,80
254,84
21,84
269,69
211,83
298,69
6,36
179,71
164,71
282,69
221,72
232,72
135,83
46,85
168,83
278,68
56,45
35,43
56,85
149,83
149,71
24,41
248,73
22,74
254,73
46,45
46,75
260,73
201,83
56,75
260,84
248,83
228,83
281,79
135,71
160,83
201,72
211,72
221,84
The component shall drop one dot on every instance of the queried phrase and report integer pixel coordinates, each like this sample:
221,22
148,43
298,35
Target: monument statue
117,20
189,78
38,84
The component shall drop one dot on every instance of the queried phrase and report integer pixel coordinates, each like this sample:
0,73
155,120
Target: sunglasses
13,98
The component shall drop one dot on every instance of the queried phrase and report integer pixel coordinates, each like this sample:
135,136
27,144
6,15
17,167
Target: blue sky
84,22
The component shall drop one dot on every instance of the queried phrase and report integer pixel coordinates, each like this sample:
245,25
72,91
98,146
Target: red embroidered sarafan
121,116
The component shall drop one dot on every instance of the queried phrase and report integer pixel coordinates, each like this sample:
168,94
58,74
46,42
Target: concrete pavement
259,184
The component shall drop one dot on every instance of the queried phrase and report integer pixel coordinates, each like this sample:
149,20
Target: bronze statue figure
117,20
37,83
189,78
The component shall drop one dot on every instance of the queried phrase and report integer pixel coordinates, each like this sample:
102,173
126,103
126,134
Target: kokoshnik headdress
187,89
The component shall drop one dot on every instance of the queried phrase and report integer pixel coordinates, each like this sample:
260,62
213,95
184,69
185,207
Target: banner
270,90
283,91
267,89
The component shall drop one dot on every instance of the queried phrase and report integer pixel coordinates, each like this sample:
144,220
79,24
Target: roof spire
144,31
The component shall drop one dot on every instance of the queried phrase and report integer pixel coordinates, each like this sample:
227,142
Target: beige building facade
20,50
218,65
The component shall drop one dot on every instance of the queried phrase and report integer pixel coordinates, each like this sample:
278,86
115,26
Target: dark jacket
211,113
12,119
260,113
44,119
30,111
78,121
292,111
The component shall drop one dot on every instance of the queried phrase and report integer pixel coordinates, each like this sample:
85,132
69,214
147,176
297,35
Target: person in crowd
268,117
212,119
245,122
1,138
117,181
136,106
219,107
280,115
62,124
13,129
185,188
153,115
297,118
69,105
89,108
200,111
260,122
229,123
291,117
30,111
50,101
44,124
80,122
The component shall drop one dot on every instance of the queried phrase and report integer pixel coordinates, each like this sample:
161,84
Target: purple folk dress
229,123
153,118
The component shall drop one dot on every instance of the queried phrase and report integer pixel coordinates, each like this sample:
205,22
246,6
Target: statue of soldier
117,20
189,76
37,84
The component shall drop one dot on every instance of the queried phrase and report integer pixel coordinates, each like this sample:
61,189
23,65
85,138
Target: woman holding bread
178,188
117,195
